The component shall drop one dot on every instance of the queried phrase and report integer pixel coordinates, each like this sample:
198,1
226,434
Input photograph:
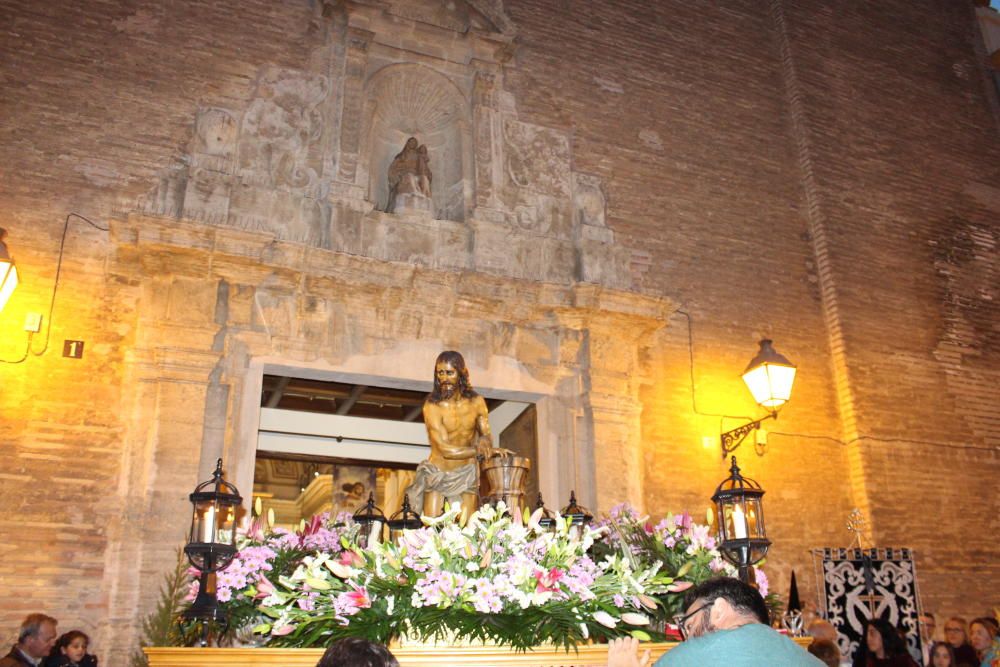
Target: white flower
635,619
605,619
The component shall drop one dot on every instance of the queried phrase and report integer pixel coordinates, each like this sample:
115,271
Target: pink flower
282,630
679,586
352,601
761,580
548,582
350,559
264,588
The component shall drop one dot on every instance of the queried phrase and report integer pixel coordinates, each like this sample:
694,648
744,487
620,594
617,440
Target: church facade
622,199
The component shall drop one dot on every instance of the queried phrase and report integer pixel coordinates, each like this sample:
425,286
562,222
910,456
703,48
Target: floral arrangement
487,579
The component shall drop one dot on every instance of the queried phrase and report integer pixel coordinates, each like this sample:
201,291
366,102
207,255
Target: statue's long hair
457,362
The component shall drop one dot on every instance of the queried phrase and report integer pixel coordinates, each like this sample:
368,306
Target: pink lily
264,588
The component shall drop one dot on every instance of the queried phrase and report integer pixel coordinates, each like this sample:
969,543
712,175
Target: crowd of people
962,645
725,622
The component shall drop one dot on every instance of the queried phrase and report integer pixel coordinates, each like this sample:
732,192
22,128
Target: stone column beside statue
458,429
410,180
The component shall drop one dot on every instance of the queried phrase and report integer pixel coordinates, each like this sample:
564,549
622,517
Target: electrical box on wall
33,322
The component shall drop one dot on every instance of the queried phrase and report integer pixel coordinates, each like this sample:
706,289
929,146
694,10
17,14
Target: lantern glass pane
755,518
370,533
770,384
225,529
8,281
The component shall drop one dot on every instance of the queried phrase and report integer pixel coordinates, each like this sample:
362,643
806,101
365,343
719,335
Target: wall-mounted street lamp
8,271
769,376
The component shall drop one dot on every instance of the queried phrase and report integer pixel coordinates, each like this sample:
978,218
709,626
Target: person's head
820,628
720,604
942,655
37,635
451,375
927,626
954,631
72,644
357,652
882,639
826,650
981,633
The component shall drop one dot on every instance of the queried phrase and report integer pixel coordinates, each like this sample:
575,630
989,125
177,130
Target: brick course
826,178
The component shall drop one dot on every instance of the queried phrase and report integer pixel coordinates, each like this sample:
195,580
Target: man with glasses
725,622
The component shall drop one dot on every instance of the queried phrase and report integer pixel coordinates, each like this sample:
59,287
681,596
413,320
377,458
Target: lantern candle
208,526
739,523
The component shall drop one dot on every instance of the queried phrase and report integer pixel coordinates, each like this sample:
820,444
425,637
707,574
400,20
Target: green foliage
163,626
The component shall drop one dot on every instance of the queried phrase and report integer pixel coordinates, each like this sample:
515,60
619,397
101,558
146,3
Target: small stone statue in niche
410,179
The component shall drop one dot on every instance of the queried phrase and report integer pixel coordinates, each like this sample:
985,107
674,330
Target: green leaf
641,636
268,611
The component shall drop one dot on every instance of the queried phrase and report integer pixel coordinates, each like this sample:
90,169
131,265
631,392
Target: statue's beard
447,389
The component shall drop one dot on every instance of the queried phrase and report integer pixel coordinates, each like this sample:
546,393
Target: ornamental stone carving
322,155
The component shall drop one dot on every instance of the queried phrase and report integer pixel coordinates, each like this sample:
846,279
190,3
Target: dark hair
66,639
825,650
357,652
952,660
743,597
457,362
892,642
31,625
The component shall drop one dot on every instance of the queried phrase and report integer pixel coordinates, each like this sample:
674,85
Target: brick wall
825,178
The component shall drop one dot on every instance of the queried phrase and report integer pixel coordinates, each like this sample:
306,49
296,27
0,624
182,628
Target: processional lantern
403,520
211,543
578,514
547,521
740,515
769,376
8,271
371,522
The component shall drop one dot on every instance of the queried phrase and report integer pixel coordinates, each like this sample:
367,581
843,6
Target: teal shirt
751,645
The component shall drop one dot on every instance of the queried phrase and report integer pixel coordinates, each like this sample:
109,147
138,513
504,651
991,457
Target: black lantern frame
371,523
211,543
578,514
547,521
403,520
740,516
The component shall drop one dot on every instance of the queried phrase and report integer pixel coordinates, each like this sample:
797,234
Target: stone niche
306,159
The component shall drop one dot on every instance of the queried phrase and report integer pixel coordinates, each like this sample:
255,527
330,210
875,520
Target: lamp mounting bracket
731,440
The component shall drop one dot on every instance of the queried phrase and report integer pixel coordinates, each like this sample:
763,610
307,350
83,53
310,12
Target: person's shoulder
761,640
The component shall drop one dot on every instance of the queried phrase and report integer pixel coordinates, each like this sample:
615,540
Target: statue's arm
484,435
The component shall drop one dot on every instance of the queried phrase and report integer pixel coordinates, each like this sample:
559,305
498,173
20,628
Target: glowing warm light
769,376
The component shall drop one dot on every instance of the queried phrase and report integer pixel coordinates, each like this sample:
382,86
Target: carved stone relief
309,158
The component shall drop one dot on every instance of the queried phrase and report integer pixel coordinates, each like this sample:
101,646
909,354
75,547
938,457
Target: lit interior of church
291,289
